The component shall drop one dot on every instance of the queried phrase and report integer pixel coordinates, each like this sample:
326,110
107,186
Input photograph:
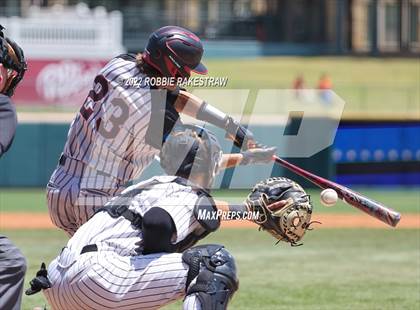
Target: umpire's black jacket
8,122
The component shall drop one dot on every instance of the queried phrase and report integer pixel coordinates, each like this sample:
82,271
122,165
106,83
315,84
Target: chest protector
204,211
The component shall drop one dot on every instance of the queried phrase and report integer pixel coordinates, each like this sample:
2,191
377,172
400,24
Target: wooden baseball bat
367,205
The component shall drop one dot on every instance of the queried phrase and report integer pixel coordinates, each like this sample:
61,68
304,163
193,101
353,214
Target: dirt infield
42,221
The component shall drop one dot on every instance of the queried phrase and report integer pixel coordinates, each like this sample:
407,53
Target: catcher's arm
241,209
225,208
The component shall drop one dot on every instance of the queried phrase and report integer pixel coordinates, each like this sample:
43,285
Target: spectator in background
325,86
12,261
298,86
260,31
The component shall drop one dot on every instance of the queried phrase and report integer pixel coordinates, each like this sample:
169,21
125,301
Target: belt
62,160
89,248
72,166
77,167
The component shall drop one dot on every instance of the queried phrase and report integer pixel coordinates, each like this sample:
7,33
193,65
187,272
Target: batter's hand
258,155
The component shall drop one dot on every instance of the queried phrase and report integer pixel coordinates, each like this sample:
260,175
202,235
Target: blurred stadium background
368,51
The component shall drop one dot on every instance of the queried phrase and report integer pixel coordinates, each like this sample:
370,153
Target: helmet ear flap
170,67
158,54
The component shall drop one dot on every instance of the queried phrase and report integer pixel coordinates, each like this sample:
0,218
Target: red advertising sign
63,82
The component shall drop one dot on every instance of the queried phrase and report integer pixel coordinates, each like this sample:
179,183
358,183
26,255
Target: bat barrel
371,207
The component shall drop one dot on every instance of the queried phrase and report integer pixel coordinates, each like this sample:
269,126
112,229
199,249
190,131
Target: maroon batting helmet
174,52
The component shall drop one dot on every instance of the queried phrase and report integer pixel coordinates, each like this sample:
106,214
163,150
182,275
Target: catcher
138,250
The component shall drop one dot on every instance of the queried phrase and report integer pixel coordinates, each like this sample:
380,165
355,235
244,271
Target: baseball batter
138,251
120,127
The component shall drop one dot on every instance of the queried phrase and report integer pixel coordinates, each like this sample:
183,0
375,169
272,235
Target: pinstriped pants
106,280
75,192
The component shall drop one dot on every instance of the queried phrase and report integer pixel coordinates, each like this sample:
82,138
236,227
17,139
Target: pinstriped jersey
108,134
118,235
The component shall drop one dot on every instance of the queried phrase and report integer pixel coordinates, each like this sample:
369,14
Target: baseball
329,197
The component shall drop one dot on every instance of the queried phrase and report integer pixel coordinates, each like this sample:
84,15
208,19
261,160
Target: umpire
12,262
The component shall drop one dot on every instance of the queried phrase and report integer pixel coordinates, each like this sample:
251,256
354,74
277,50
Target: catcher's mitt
291,219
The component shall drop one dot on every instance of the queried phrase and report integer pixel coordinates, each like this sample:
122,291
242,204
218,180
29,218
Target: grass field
368,85
334,269
403,200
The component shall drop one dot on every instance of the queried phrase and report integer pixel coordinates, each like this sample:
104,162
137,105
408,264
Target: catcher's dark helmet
174,52
191,149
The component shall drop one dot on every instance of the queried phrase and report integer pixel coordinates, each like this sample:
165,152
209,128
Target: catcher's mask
12,58
190,150
174,52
